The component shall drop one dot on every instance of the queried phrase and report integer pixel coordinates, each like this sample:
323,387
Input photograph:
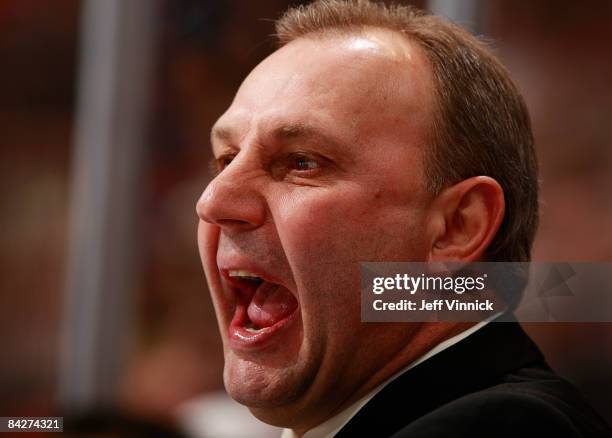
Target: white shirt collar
333,425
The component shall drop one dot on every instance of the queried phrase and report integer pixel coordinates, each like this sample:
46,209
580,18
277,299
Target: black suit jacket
494,383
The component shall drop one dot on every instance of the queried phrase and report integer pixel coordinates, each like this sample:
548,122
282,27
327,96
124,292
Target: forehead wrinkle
298,131
288,132
292,130
396,55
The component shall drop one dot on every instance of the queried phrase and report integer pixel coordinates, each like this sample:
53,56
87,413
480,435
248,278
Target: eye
303,163
223,161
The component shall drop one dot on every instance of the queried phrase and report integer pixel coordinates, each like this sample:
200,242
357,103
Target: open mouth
262,307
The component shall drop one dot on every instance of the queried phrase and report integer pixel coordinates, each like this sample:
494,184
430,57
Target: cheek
318,229
317,222
350,225
325,234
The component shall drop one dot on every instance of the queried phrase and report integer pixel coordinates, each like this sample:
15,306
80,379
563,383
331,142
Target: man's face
321,154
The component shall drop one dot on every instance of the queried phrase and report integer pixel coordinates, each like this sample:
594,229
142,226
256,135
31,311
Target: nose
232,200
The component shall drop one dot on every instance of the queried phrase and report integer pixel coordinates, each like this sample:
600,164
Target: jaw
278,384
298,382
277,387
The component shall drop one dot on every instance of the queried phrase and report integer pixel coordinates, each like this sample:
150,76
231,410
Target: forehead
350,83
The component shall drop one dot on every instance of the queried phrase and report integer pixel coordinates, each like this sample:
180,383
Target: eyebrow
295,131
284,132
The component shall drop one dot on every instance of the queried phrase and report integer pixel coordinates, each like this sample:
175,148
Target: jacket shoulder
545,408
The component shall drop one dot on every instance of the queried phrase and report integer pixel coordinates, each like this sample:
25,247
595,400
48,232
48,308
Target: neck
426,337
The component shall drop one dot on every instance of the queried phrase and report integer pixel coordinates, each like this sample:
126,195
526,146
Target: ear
465,218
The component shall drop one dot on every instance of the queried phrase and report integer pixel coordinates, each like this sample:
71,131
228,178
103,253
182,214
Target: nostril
233,223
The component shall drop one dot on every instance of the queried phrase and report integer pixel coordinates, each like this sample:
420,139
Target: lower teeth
252,329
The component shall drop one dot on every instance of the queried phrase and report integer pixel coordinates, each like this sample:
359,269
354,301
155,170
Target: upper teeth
242,273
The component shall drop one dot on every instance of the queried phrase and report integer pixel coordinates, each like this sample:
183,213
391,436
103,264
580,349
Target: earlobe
467,216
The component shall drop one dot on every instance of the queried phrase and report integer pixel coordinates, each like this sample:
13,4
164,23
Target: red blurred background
558,52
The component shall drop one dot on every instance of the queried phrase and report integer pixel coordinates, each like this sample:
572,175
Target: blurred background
105,113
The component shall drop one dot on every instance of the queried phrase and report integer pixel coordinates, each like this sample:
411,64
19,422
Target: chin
264,388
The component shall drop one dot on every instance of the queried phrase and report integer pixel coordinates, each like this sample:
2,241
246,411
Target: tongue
270,304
